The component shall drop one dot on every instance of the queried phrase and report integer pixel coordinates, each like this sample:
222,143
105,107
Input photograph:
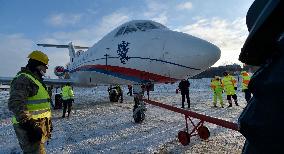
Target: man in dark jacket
261,122
30,103
184,89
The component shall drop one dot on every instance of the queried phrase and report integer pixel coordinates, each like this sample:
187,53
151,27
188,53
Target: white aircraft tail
70,47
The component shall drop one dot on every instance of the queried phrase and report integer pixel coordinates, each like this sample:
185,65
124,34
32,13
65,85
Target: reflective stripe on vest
39,104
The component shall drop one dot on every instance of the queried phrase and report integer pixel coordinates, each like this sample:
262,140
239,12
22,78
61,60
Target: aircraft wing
58,81
61,46
7,80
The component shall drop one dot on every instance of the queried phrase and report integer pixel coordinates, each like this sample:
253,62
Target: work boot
188,103
230,105
236,103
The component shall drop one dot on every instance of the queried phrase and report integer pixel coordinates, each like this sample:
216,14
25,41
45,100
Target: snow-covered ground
99,126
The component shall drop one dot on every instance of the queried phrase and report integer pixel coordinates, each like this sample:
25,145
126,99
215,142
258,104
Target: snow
99,126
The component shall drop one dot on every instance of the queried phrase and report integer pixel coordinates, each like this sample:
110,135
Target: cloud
156,11
162,18
14,51
109,22
184,6
63,19
90,34
229,36
86,36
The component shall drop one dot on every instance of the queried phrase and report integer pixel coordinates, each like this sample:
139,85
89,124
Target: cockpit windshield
120,31
129,29
145,26
138,26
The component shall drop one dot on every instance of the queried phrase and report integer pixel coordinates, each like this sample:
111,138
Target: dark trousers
247,94
183,95
25,144
67,104
129,92
148,94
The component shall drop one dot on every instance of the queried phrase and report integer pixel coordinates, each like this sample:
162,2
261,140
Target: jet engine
59,71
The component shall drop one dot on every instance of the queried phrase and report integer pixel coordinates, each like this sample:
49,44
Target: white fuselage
155,55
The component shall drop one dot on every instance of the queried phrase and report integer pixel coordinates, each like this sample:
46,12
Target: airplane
138,51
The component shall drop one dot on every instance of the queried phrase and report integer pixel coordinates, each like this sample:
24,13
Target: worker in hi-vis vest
229,83
68,98
216,86
30,103
245,81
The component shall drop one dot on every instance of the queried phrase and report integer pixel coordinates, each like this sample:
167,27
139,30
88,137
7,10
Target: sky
26,23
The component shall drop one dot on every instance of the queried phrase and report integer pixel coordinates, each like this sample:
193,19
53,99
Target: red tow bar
198,129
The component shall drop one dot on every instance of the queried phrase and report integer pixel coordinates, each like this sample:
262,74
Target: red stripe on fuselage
143,75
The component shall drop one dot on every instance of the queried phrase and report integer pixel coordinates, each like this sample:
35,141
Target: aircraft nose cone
192,52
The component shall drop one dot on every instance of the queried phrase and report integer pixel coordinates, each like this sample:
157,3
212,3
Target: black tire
113,96
139,116
203,132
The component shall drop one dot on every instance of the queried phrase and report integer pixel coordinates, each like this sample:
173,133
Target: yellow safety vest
229,83
67,93
39,104
245,82
216,85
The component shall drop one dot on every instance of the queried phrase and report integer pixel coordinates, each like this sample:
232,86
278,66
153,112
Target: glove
235,88
34,132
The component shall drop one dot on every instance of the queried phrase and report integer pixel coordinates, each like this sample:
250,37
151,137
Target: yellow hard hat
242,72
39,56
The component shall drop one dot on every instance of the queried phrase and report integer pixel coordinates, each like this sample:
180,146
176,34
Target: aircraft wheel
203,132
183,138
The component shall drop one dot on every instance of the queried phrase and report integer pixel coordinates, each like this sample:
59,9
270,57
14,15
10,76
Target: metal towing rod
199,128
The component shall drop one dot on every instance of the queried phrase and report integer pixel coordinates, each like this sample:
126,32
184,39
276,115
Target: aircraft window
120,31
145,26
130,29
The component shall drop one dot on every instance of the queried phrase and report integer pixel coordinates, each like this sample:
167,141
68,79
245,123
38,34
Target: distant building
4,87
218,71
